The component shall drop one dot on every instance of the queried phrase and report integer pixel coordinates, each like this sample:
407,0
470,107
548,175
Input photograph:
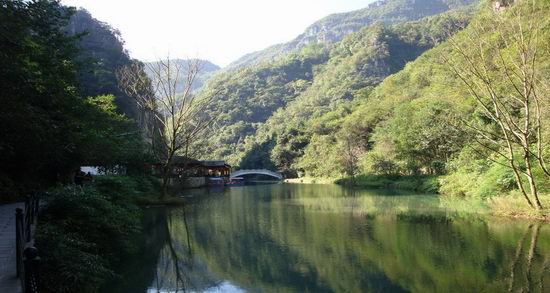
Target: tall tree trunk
532,183
515,262
165,179
531,256
167,172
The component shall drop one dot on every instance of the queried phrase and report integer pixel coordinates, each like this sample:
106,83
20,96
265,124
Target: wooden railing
27,255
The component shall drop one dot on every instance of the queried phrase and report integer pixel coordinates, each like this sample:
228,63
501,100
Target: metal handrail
26,254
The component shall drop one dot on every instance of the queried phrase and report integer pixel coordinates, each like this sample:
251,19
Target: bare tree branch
169,97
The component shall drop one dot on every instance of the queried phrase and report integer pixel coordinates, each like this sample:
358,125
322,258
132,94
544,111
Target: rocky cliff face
334,28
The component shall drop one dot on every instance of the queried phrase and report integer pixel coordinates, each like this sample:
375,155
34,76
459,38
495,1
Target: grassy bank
423,184
513,205
507,203
310,180
85,232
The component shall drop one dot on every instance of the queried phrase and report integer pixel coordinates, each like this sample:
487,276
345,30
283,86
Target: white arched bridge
256,172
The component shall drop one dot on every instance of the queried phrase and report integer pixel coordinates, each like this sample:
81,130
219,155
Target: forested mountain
302,85
100,54
430,117
389,100
421,119
334,28
206,70
247,98
357,64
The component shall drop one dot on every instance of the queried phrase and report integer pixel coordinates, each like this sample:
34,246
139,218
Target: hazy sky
218,30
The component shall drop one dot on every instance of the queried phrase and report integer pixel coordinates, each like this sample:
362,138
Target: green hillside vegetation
413,123
288,93
365,112
357,64
248,97
100,53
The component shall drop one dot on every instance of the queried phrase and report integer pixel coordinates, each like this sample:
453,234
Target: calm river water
324,238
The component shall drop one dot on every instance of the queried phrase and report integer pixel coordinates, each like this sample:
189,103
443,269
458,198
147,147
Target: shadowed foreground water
323,238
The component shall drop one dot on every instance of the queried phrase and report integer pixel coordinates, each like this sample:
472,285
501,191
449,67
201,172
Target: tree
506,82
350,153
37,94
173,121
423,136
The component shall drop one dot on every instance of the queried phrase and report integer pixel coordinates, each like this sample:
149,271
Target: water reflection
299,238
526,260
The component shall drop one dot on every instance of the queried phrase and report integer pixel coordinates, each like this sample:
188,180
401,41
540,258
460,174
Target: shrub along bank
85,232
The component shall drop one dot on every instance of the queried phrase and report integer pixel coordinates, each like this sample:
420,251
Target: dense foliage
61,109
358,63
415,121
267,114
50,124
363,109
36,92
85,233
100,53
249,97
319,71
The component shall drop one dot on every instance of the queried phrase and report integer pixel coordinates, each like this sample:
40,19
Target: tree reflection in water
530,260
326,239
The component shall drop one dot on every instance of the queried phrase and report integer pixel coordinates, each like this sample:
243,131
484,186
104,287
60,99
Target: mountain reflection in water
324,238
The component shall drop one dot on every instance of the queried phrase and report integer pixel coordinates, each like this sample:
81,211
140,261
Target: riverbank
424,184
509,204
514,206
421,183
310,180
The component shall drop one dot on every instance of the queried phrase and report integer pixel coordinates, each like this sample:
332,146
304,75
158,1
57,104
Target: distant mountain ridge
207,69
335,27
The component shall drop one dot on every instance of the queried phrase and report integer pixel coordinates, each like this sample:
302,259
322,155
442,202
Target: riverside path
8,279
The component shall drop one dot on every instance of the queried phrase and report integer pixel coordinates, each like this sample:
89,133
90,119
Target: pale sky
218,30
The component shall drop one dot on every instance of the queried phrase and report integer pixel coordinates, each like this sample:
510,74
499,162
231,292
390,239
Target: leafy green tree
423,135
37,93
505,78
48,129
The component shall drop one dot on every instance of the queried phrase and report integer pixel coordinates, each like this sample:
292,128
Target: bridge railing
257,171
26,254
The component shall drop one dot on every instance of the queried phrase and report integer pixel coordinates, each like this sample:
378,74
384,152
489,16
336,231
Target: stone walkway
8,280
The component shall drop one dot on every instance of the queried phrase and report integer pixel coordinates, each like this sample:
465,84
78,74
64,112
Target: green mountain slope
335,27
248,97
414,121
306,84
101,54
358,63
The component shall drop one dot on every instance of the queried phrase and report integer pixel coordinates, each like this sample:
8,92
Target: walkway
8,279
